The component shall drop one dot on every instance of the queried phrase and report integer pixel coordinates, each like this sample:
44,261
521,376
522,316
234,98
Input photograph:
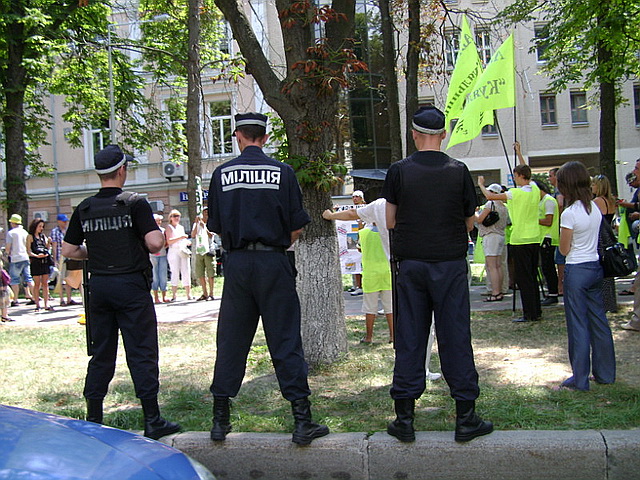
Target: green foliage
322,172
575,35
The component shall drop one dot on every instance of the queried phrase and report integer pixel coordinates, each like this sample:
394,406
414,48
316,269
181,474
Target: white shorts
493,244
370,302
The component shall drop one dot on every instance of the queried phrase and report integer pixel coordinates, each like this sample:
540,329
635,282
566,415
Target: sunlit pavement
193,311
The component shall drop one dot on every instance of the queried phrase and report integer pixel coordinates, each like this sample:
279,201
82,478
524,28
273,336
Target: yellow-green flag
494,89
467,69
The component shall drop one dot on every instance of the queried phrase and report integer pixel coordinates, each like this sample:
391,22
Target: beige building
552,128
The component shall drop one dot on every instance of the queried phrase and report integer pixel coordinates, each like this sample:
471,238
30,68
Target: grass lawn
43,369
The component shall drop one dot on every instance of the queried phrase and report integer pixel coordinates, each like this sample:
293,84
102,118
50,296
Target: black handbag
492,217
614,258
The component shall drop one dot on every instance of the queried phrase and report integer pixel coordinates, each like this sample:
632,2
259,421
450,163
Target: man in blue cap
431,201
120,232
255,206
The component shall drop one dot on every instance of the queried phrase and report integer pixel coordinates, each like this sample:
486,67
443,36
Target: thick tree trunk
413,60
324,333
391,81
194,147
14,79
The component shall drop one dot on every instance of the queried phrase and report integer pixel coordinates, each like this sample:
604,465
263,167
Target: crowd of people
32,260
414,252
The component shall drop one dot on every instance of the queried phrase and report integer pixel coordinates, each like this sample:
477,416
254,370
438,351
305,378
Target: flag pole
504,147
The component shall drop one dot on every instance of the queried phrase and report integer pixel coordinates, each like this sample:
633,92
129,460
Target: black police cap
109,159
251,118
428,120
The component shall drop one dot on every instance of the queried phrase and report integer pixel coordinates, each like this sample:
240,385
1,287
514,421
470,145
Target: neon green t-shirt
376,272
523,210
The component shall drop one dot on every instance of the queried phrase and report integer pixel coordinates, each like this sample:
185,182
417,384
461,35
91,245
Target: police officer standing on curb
431,202
255,205
120,232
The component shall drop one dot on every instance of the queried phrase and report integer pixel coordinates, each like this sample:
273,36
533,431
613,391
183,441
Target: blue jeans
589,335
20,269
160,271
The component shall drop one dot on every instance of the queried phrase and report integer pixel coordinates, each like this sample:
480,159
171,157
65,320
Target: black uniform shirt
142,220
434,195
254,198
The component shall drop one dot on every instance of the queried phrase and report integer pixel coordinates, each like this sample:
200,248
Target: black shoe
31,302
305,430
549,301
94,410
402,426
14,303
468,424
156,427
221,419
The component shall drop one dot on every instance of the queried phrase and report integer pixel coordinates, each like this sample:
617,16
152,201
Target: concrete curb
503,455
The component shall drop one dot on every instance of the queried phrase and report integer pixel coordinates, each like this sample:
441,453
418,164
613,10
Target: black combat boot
468,424
221,422
305,430
155,426
402,426
94,410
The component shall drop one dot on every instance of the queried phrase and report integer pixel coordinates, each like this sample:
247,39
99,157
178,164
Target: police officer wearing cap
255,206
120,232
431,202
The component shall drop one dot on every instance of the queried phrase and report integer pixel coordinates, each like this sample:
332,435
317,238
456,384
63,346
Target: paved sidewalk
193,311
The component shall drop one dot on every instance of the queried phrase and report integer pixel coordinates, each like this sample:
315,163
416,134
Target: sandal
626,292
7,319
494,298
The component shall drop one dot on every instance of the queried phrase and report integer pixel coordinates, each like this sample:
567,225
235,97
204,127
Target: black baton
87,300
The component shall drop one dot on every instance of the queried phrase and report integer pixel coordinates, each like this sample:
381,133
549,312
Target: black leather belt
259,246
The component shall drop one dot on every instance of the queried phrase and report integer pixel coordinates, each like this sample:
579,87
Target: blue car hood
41,446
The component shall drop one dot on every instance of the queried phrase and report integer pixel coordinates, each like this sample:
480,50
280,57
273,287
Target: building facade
552,128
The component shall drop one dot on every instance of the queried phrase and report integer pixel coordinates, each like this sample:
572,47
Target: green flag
467,69
494,89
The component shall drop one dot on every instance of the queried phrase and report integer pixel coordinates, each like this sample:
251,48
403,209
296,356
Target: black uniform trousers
259,284
440,289
525,262
122,303
548,265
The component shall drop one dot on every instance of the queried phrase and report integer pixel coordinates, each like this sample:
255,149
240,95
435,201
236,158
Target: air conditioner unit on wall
44,215
172,170
156,205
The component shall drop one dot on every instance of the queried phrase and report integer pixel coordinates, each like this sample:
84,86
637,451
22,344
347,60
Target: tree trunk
14,79
193,128
391,81
607,125
324,334
413,60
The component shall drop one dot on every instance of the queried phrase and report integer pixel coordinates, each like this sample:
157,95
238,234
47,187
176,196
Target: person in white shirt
19,266
590,341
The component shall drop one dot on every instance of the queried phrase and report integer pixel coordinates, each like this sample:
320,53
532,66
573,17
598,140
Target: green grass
43,369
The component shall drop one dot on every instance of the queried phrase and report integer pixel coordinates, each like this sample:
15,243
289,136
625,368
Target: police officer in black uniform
120,232
255,205
431,202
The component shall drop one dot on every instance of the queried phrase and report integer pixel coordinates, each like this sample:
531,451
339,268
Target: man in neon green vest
549,220
525,237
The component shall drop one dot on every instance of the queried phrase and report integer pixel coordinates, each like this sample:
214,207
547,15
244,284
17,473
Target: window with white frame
579,108
220,141
548,109
451,47
483,44
95,139
540,40
489,131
